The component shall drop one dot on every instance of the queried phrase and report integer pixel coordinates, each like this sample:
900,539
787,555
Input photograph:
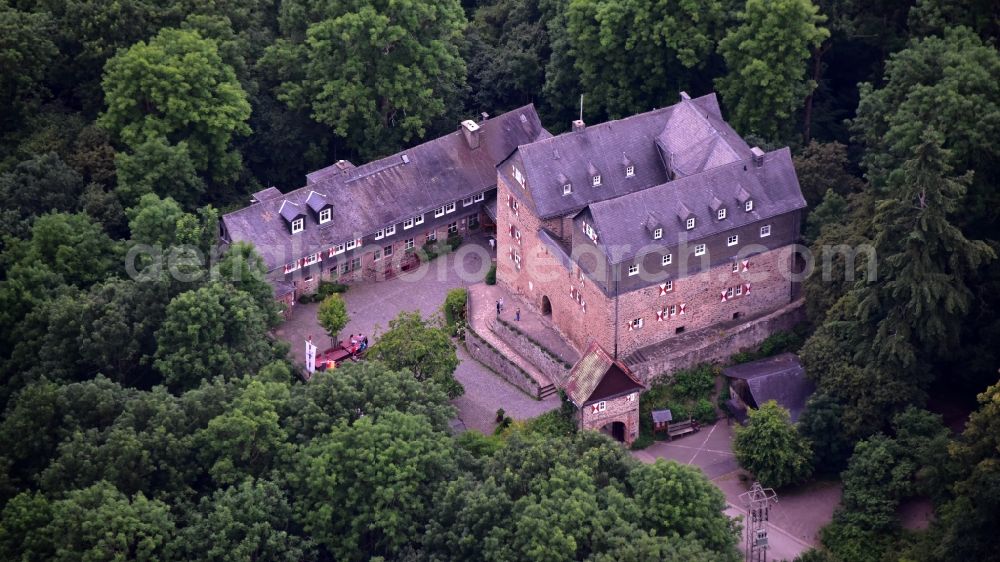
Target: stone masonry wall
550,366
718,345
623,409
486,354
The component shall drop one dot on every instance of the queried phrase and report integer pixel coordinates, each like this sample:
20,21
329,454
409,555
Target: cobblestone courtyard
370,306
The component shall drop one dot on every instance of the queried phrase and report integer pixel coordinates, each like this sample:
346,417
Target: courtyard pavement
801,511
370,306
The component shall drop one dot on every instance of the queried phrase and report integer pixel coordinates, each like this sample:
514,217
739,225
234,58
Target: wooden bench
676,429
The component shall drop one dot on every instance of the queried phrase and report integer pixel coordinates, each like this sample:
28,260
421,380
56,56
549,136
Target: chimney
758,156
484,116
685,96
579,125
471,131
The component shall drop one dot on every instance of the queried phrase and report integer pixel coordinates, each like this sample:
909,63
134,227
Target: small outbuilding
606,394
780,378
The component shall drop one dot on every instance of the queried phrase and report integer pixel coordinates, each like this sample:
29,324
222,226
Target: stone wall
624,409
546,361
482,351
713,344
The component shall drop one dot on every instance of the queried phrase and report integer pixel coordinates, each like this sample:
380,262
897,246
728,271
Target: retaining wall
543,359
482,351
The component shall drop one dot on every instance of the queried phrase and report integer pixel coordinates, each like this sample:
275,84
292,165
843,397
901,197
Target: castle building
351,223
633,231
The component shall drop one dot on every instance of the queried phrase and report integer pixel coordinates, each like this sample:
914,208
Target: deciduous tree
770,448
426,351
767,58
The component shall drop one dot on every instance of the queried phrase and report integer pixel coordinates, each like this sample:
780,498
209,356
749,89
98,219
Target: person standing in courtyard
498,309
501,304
517,315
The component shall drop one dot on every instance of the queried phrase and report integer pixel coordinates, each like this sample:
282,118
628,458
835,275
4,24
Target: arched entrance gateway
616,430
546,306
606,394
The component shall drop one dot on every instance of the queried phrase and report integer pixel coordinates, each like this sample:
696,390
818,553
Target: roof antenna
581,107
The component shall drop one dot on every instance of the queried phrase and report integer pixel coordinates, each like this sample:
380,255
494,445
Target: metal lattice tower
758,502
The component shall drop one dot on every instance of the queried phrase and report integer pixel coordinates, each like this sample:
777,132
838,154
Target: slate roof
621,222
690,134
596,376
369,197
780,378
662,416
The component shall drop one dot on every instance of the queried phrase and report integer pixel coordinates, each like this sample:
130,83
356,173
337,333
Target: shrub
454,306
491,275
454,241
644,440
327,288
771,448
694,383
704,412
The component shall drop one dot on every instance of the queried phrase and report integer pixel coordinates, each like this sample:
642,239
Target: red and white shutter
683,307
594,408
746,289
659,316
663,289
746,264
630,326
723,299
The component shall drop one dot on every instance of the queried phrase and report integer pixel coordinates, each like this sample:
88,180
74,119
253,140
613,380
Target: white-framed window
729,292
517,260
514,205
748,205
736,267
668,259
387,251
657,234
390,230
669,285
439,212
407,224
290,267
690,223
596,180
602,406
324,215
589,231
408,244
739,290
338,249
298,225
671,310
629,171
699,250
567,188
344,268
636,323
722,213
633,270
765,231
311,259
419,219
479,198
449,208
308,278
379,234
356,263
733,240
467,201
432,236
351,244
453,228
377,255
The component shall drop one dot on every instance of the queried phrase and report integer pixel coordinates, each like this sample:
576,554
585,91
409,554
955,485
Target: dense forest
148,415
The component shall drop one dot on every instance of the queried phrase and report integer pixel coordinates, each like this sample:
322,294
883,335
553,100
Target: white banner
310,356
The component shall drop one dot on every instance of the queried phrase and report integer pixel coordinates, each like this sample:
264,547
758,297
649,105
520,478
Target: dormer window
596,179
298,225
324,216
567,188
690,223
722,213
657,234
748,205
629,171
